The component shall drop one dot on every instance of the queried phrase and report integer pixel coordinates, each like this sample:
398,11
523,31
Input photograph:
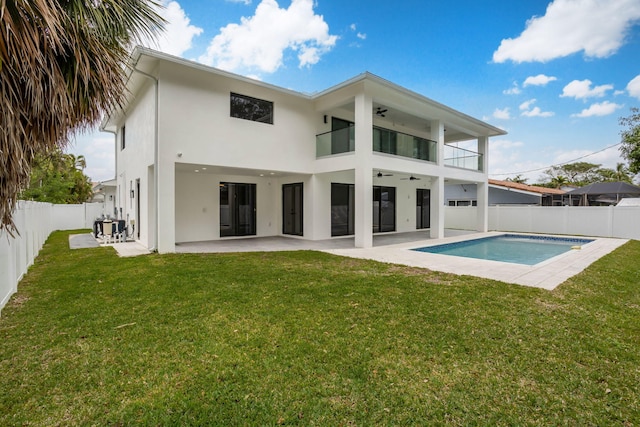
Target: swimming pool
513,248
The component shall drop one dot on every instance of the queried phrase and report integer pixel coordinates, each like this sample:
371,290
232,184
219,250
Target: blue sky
556,75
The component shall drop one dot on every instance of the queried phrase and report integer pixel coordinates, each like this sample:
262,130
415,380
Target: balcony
401,144
336,142
460,158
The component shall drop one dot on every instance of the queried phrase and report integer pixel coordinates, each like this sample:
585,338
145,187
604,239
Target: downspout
115,159
156,161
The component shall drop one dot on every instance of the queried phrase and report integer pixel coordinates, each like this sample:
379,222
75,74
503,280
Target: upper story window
254,109
122,138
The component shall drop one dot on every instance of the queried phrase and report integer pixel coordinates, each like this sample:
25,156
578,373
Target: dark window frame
249,108
122,138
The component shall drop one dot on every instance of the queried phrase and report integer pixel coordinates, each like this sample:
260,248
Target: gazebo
601,194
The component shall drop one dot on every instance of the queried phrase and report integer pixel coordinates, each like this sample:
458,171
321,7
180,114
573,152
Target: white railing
597,221
35,221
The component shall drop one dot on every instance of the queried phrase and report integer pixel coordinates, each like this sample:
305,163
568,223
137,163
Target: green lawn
307,338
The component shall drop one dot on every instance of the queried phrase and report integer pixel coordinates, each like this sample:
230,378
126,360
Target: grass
307,338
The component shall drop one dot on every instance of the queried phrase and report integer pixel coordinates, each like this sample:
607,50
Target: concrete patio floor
281,243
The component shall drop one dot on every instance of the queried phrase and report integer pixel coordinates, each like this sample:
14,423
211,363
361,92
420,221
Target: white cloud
258,43
607,158
634,87
581,89
502,114
537,112
179,33
97,149
596,27
527,111
509,158
539,80
600,109
527,104
513,90
246,2
361,36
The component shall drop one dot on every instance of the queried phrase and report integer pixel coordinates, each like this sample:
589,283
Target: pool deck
546,275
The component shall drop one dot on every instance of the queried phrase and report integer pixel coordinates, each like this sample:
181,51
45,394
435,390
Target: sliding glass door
423,210
237,209
384,209
292,209
342,213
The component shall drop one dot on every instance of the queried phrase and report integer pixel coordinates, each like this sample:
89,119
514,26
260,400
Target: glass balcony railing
384,141
461,158
401,144
336,142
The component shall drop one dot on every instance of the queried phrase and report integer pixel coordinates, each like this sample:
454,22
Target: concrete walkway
82,241
124,249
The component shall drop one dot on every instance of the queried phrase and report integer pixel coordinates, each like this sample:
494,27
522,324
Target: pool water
527,250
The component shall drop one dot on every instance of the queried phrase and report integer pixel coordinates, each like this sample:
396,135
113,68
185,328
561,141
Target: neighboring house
601,194
105,192
504,193
204,154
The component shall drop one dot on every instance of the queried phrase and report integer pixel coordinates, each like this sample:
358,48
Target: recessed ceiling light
204,169
261,174
197,170
272,173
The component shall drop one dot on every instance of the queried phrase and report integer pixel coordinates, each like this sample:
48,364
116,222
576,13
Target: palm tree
62,64
622,173
559,181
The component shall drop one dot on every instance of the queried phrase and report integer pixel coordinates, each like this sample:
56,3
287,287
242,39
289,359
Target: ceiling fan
380,174
380,112
412,178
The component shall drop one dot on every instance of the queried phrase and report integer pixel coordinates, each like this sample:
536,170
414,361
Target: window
122,138
385,141
463,203
248,108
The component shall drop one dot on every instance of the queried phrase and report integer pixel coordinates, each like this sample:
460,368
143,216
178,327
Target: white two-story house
203,154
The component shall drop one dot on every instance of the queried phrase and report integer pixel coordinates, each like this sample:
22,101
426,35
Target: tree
518,179
579,173
559,181
583,173
58,178
619,174
62,64
630,147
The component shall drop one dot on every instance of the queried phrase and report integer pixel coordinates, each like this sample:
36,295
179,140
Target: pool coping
545,275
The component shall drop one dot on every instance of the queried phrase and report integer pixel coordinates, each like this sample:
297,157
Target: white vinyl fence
598,221
35,222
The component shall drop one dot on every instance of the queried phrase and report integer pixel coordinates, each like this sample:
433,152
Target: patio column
363,171
482,211
437,184
482,218
437,208
166,206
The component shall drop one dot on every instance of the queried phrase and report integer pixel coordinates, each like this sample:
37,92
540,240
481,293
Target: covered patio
282,243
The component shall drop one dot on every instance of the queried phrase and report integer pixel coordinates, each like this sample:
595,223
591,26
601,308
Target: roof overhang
408,107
